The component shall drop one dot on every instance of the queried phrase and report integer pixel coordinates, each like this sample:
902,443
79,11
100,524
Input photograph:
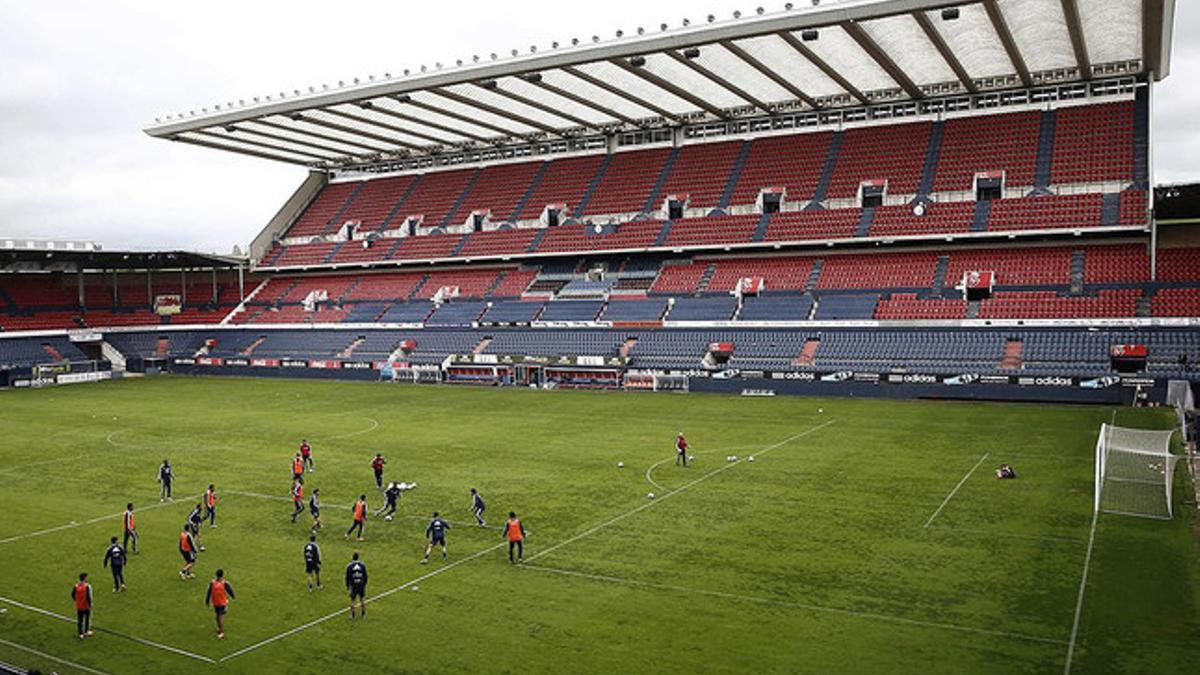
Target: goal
1134,472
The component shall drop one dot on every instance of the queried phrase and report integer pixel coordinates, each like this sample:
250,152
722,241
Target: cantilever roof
834,55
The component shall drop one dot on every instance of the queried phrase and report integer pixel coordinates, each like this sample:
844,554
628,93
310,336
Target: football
649,495
620,465
388,518
750,458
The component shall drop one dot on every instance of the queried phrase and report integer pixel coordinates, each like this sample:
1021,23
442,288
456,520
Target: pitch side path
866,536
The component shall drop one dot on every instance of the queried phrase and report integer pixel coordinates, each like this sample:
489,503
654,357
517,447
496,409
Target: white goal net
1134,472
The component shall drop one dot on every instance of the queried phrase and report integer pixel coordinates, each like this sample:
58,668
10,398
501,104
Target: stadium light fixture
950,14
404,98
641,31
787,7
691,53
711,18
637,61
662,26
620,33
759,10
533,77
737,14
595,38
687,22
489,84
810,35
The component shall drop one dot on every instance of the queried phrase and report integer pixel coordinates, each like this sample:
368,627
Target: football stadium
899,333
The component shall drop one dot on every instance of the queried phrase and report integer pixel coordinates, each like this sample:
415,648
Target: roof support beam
537,81
383,125
263,144
285,139
409,100
499,112
317,134
1006,39
830,72
670,87
720,81
1078,44
1158,21
617,91
356,132
769,73
240,151
537,105
881,57
368,105
943,48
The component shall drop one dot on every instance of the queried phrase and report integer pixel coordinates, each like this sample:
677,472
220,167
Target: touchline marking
1087,561
123,636
955,490
44,655
323,619
674,492
798,605
90,521
1014,535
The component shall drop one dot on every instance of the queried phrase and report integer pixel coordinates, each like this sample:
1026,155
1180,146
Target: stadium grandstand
837,199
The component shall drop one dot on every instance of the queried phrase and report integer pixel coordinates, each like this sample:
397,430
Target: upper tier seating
498,189
884,270
317,219
1094,143
791,162
565,182
897,156
628,181
938,218
701,172
436,195
1001,142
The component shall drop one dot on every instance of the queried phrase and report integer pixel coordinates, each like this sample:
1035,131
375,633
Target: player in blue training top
477,507
165,475
312,562
115,557
356,583
436,533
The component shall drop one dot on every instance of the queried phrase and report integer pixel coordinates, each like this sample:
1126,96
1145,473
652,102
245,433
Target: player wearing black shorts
392,495
114,557
312,562
165,475
187,550
436,533
314,507
195,518
356,583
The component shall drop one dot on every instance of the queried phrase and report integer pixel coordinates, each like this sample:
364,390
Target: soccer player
477,507
356,583
392,494
115,555
297,498
210,505
81,593
187,549
377,467
314,507
436,533
681,448
130,528
165,476
218,596
306,454
297,467
514,532
312,562
192,525
360,517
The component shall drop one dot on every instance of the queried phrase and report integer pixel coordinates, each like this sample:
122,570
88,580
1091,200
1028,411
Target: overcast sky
82,78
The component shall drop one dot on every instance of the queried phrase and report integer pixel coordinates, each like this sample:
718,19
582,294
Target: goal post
1135,470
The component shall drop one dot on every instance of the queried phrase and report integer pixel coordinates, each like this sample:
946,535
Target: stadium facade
896,198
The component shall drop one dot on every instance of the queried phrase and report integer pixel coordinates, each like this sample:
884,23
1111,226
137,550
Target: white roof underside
864,52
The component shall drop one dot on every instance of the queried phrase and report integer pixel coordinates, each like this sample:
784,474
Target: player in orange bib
514,532
297,466
360,517
187,549
81,593
210,505
130,529
218,597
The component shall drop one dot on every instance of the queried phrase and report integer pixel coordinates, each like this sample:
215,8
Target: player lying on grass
218,596
356,583
435,532
312,562
114,557
81,593
1005,471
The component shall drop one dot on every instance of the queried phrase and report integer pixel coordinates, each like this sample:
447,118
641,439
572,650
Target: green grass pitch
867,538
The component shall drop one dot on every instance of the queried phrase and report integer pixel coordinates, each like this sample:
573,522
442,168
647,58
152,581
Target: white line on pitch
955,490
1087,561
797,605
1013,535
674,492
44,655
323,619
90,521
374,425
131,638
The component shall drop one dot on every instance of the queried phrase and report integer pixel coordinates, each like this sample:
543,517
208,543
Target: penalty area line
955,490
44,655
108,631
90,521
797,605
344,610
674,492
